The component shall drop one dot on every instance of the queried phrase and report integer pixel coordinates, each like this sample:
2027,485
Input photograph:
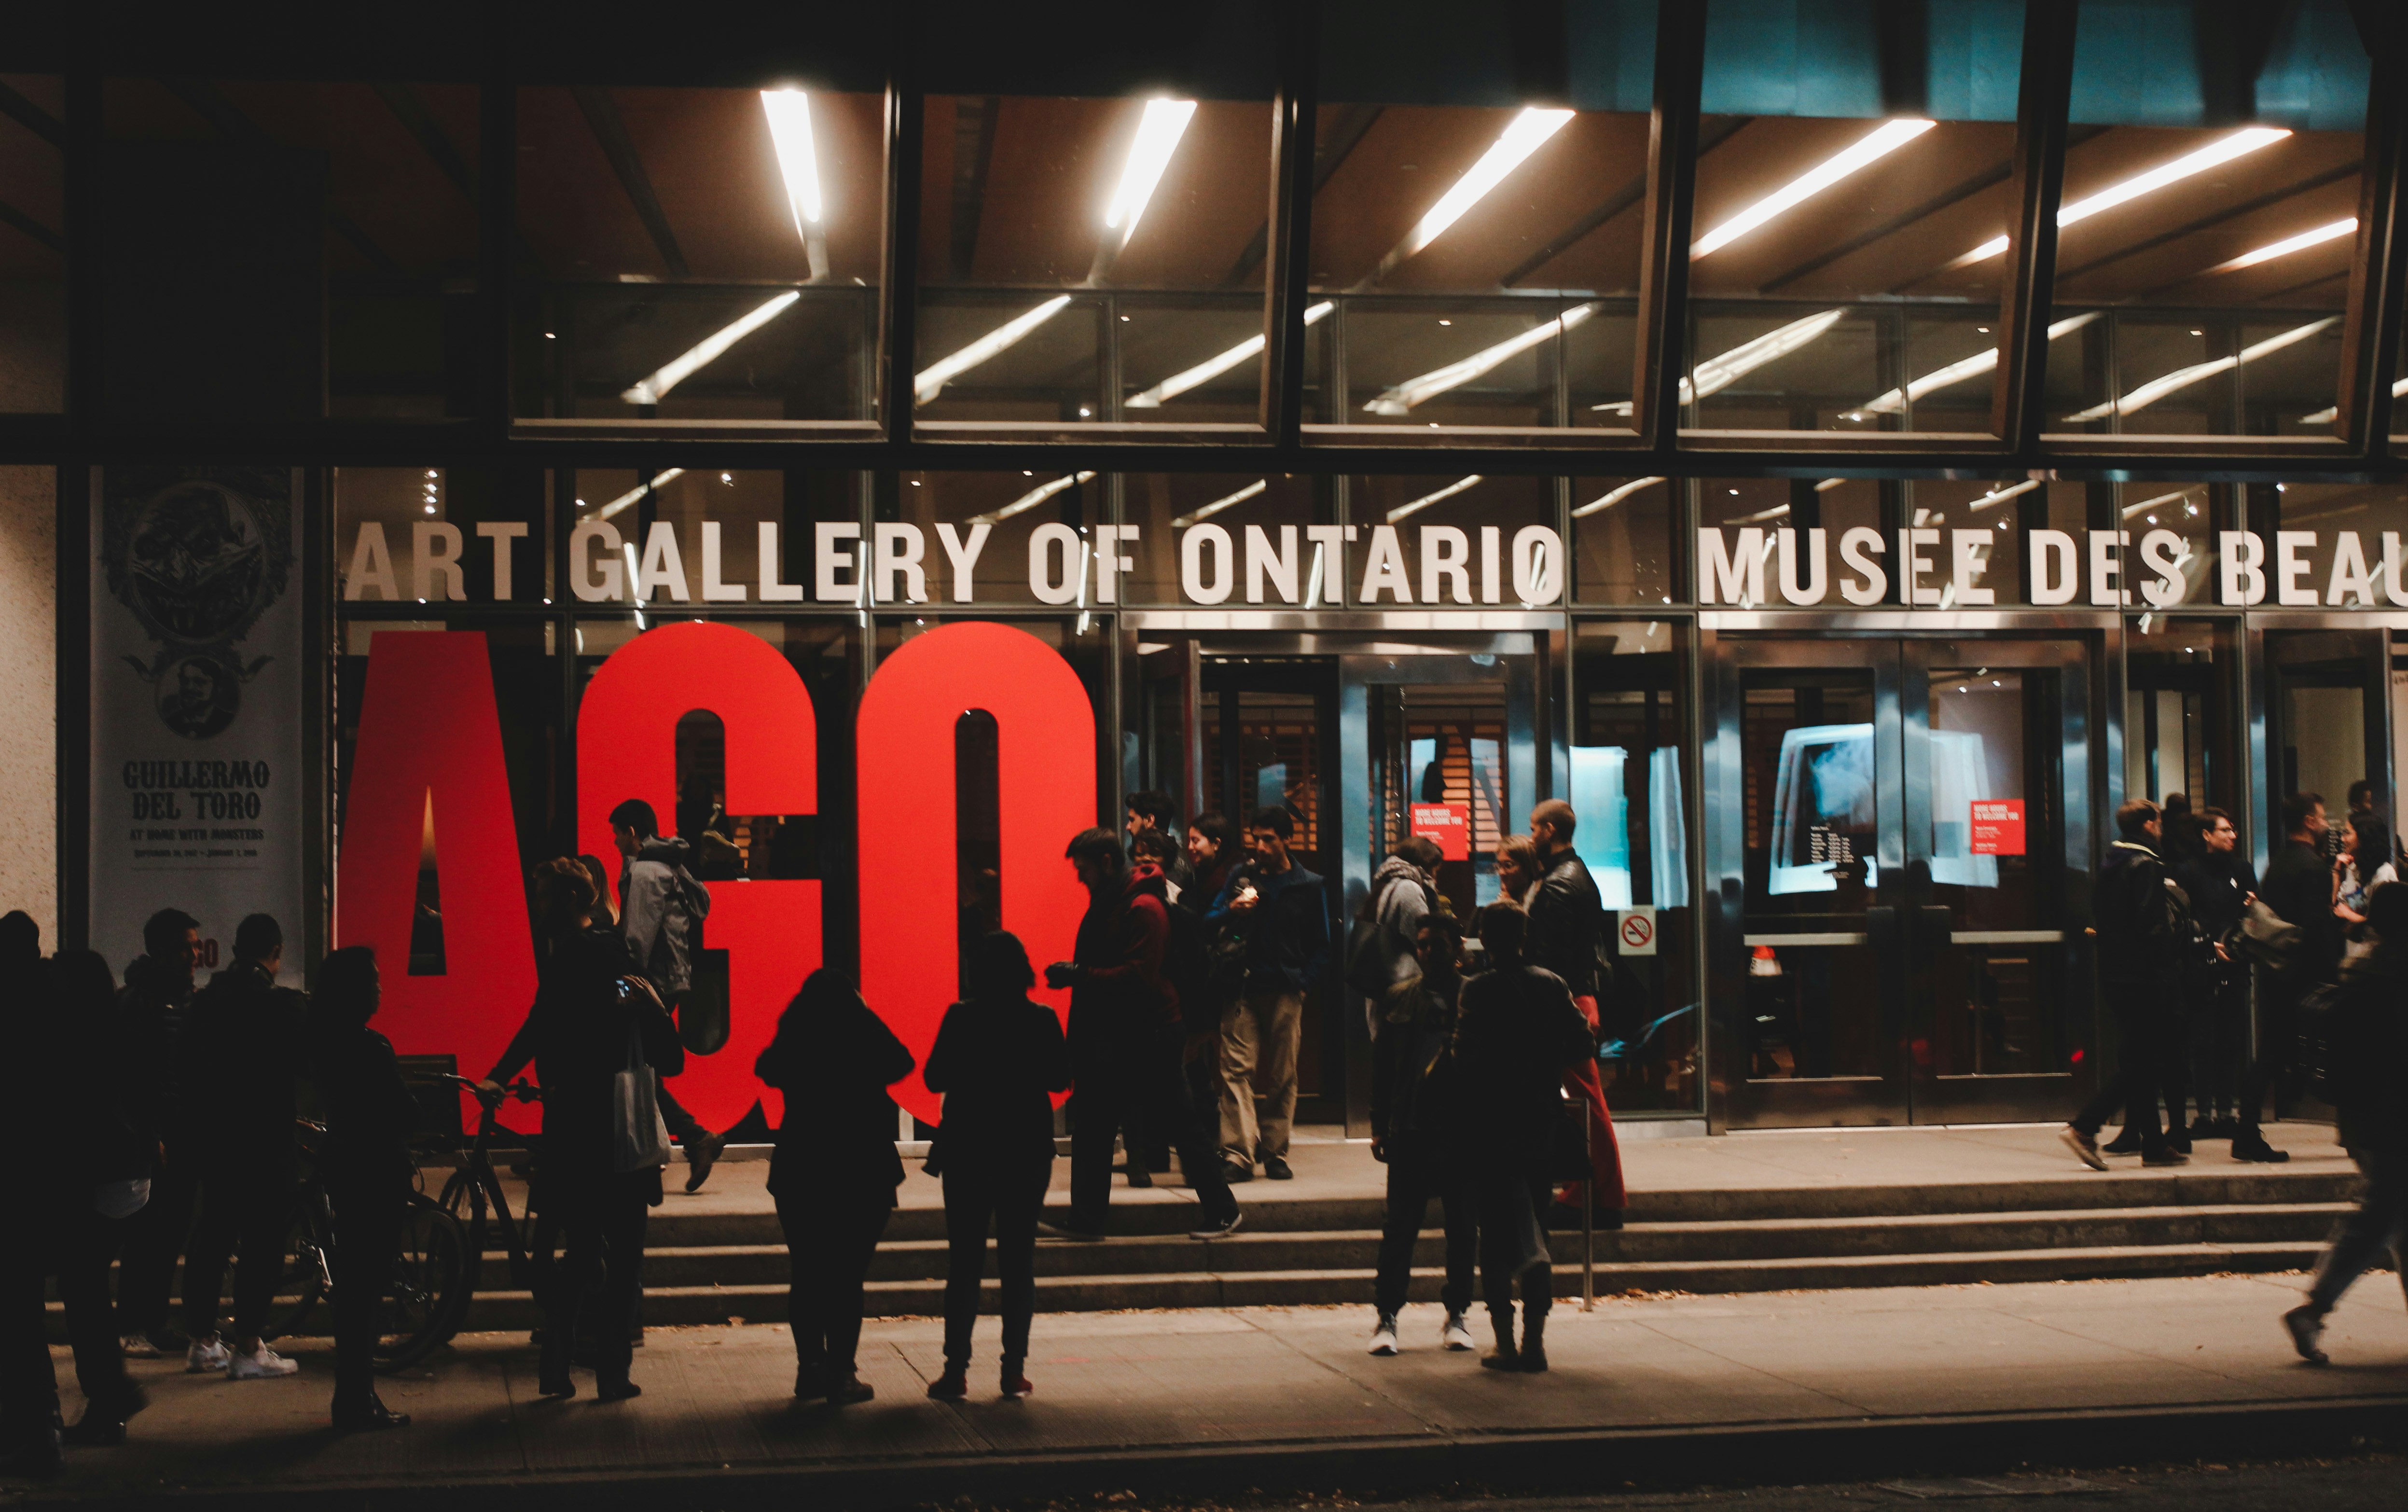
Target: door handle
1937,923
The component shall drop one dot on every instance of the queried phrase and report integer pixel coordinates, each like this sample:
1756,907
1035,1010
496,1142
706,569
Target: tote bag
640,1141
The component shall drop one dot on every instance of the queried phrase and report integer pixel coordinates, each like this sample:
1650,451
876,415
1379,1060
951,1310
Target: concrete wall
29,803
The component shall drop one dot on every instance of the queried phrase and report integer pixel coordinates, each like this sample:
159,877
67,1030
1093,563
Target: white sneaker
1383,1338
137,1347
1455,1335
264,1365
205,1355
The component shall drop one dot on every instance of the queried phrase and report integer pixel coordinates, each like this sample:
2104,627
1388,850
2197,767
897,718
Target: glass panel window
1853,567
1842,157
683,542
1479,195
33,243
2209,221
704,255
1446,542
438,535
1001,538
2347,545
1622,539
1258,540
2182,727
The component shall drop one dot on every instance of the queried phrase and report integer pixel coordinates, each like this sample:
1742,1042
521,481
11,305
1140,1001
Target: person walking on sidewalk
1417,1129
2366,1046
2298,888
246,1043
1282,911
152,1013
1516,1031
2139,970
834,1172
2219,882
999,1059
661,909
1566,937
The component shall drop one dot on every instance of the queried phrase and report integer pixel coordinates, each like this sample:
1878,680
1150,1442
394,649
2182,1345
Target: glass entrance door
1901,823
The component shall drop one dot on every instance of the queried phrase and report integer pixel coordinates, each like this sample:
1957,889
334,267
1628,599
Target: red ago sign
1449,824
1999,827
430,735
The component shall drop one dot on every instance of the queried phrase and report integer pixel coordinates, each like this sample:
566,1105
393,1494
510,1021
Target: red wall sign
1999,827
1449,824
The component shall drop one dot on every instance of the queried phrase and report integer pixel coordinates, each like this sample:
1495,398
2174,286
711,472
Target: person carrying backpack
661,909
1380,943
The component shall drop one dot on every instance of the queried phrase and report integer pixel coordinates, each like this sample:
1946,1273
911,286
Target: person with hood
1516,1029
1282,911
1417,1132
366,1166
997,1061
661,909
1404,892
246,1040
152,1013
835,1171
2366,1044
2138,971
1567,936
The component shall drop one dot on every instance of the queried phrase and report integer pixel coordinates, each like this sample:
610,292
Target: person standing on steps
2298,888
661,909
997,1061
2138,972
152,1013
2219,882
1516,1031
834,1172
1200,973
1151,810
1282,911
246,1044
1566,937
1417,1129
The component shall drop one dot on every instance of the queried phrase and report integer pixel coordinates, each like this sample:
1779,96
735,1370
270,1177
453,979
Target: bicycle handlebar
523,1089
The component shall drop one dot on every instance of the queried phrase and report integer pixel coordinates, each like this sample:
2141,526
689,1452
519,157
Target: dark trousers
153,1239
77,1244
246,1202
2380,1223
2277,1066
368,1236
674,1116
602,1222
831,1238
29,1389
2176,1078
1121,1089
1512,1211
2141,1068
1415,1176
1010,1195
87,1244
2220,1045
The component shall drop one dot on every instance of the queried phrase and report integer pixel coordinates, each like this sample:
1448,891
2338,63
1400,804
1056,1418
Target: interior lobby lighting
1428,499
1213,368
2221,150
653,389
1613,497
1958,372
2326,416
933,378
1887,139
2289,245
1999,496
790,131
632,495
1030,499
1402,398
2183,378
1157,137
1206,511
1717,373
2147,504
1523,135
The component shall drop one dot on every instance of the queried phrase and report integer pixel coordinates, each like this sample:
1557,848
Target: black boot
1506,1357
1534,1341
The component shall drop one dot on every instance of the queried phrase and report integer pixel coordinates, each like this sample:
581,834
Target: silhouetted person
1568,931
835,1171
245,1045
2298,888
2139,975
998,1059
662,906
1417,1127
151,1017
367,1168
2219,882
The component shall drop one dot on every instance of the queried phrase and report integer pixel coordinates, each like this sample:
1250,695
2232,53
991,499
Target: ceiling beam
49,127
1352,123
11,215
610,131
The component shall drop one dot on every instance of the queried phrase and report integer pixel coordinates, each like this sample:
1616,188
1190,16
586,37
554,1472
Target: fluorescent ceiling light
1157,137
1428,499
933,378
632,495
1213,368
2147,504
1414,391
1999,496
653,389
1717,373
1887,139
2289,245
2183,378
1523,135
1828,484
1773,513
1206,511
790,131
1613,497
1030,499
2223,150
2325,417
1958,372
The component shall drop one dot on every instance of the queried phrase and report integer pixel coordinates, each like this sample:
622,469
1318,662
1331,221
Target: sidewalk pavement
1191,1403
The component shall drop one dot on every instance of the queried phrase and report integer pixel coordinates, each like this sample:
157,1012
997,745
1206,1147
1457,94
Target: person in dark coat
2299,887
1417,1129
2366,1046
1280,908
835,1171
2218,880
2138,973
151,1017
1516,1032
367,1168
1567,930
999,1059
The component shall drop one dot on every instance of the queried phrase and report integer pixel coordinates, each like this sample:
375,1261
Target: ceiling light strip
1717,373
2288,245
1402,398
1206,511
653,389
1613,497
1887,139
1523,135
632,495
2183,378
1030,499
1428,499
1959,372
1213,368
933,379
2223,150
1158,131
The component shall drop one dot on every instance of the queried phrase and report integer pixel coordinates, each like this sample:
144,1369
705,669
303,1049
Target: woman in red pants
1567,926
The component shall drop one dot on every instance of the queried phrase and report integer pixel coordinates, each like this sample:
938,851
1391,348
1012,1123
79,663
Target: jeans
831,1238
246,1202
1415,1176
1010,1195
1260,1033
2380,1223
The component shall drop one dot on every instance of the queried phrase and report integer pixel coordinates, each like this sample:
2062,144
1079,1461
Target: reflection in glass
1823,810
1622,540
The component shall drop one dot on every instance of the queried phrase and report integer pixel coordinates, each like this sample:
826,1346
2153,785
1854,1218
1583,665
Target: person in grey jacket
1401,890
661,909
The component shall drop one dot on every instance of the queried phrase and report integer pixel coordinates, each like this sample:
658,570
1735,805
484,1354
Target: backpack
2195,958
1371,952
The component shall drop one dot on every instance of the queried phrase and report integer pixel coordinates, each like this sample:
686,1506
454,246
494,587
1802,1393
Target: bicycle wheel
420,1310
306,1244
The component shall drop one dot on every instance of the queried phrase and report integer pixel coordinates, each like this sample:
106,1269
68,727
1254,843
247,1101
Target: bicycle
475,1199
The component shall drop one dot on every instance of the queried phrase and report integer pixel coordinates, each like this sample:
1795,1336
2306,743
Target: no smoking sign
1635,927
